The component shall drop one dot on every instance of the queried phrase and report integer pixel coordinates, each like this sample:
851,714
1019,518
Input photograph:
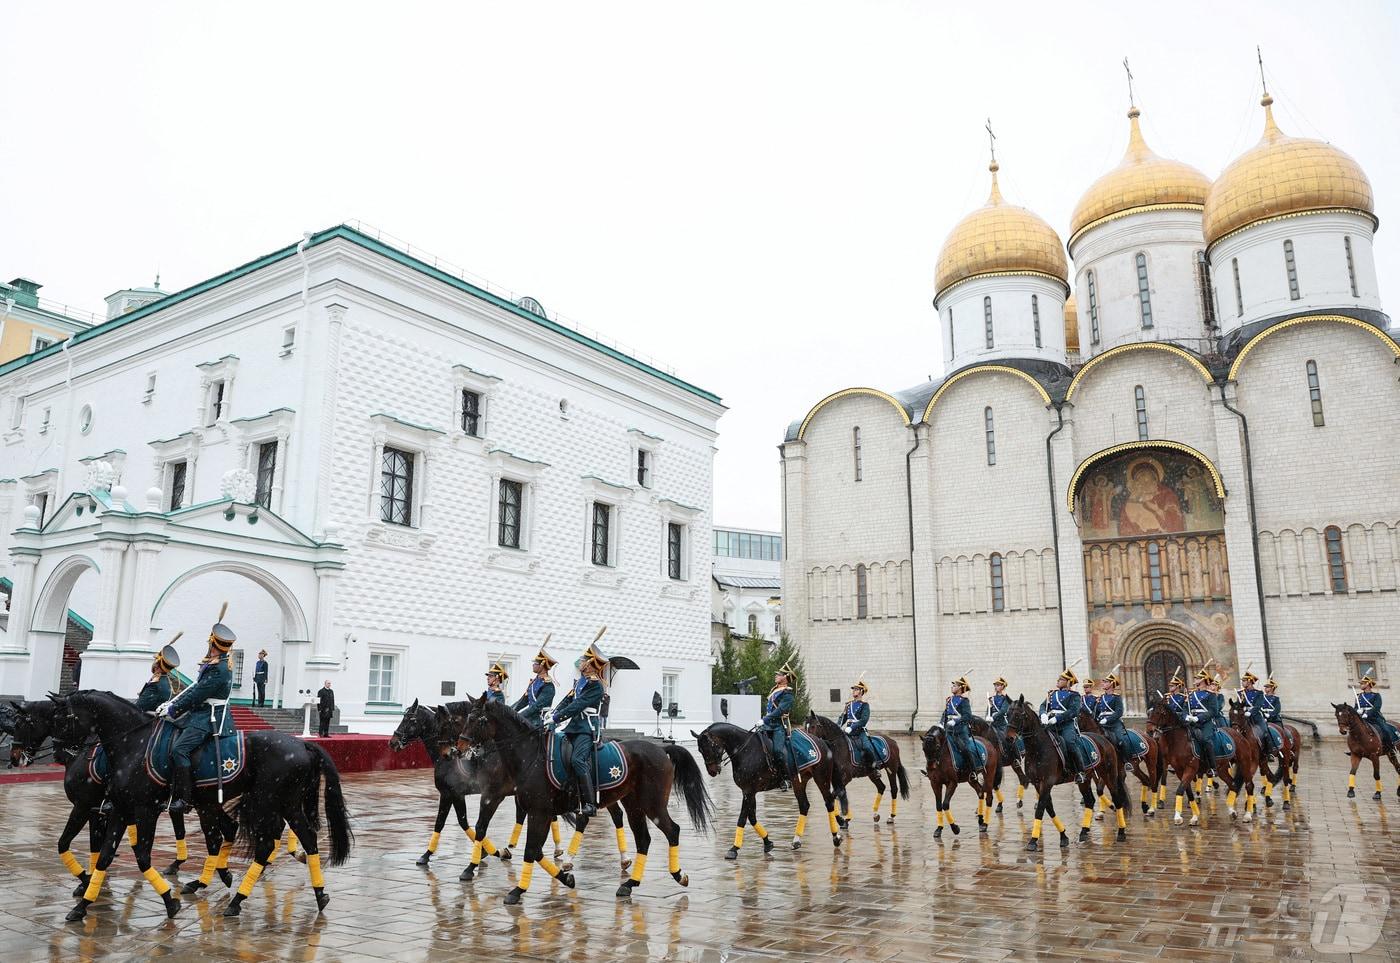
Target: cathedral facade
1172,449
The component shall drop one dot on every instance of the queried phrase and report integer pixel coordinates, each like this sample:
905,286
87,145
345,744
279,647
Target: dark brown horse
1046,771
1291,743
944,776
1249,759
1180,758
1007,755
840,743
1147,768
1363,742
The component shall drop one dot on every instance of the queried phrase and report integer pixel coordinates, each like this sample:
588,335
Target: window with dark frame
998,585
216,402
267,470
509,501
41,502
753,626
602,533
1239,291
1336,561
1144,291
178,471
1140,399
643,468
990,428
862,592
471,413
1154,571
674,539
855,448
1351,267
1035,317
1291,263
987,318
952,340
396,487
1093,308
1315,395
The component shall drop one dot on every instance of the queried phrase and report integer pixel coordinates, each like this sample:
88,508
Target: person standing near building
325,706
260,679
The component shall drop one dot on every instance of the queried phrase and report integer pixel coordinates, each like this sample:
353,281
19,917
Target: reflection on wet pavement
1306,884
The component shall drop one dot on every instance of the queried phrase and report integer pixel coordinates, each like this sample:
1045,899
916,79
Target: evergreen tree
787,653
725,678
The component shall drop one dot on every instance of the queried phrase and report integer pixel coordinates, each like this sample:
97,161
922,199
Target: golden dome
1285,175
999,238
1071,324
1141,179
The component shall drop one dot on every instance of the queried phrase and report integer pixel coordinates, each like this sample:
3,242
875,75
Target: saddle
232,758
1132,745
1223,745
609,762
1088,752
878,745
978,754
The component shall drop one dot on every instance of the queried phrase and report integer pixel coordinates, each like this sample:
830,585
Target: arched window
987,318
1093,308
1315,394
1035,317
1154,571
1336,562
855,450
753,626
991,437
1351,266
998,585
1140,398
1239,292
777,626
952,340
1292,266
1144,294
862,592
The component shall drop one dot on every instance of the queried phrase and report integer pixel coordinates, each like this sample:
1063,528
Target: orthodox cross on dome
1131,101
1262,79
992,141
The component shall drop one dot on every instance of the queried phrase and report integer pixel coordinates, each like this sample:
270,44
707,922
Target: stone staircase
283,720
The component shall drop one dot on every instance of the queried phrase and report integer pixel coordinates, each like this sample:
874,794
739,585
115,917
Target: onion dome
999,238
1071,324
1284,175
1141,180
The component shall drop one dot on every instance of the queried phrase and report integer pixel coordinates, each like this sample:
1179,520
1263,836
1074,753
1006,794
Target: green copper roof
345,232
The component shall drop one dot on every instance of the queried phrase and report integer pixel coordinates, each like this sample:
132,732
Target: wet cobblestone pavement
1225,891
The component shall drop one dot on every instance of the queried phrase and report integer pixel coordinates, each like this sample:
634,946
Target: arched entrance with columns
1151,654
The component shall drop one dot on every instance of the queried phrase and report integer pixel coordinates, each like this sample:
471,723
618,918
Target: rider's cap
594,656
1203,676
1249,677
961,683
787,671
498,669
1069,674
163,661
221,637
1176,679
1088,681
860,685
1367,680
999,681
1271,684
548,660
1110,679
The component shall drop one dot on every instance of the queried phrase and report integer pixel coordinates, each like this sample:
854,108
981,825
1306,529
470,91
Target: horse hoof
955,828
172,906
234,908
514,895
1287,806
877,817
1098,817
1195,820
1161,805
423,860
1122,835
468,875
1248,817
174,867
1177,819
1233,814
1351,793
768,847
982,829
938,833
77,912
841,822
1033,845
1019,804
682,878
1083,835
733,853
1376,796
626,864
566,865
625,890
567,879
797,844
998,808
192,887
1064,841
558,853
1268,802
322,901
226,878
504,855
889,821
836,840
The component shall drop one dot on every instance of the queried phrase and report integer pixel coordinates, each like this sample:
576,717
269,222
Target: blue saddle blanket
878,744
979,754
803,750
231,757
97,768
1133,745
1088,752
609,763
1224,746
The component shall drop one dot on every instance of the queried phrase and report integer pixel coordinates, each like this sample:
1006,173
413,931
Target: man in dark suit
325,706
260,679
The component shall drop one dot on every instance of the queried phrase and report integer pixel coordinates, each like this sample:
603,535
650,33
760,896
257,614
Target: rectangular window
674,541
17,413
150,386
237,656
1154,571
41,343
1239,292
1207,290
998,585
777,627
670,691
1292,266
1315,394
1336,562
1144,293
862,592
44,424
509,513
990,429
855,448
267,471
178,471
643,468
987,318
1141,400
1035,317
753,626
382,666
1093,308
41,502
1351,267
289,340
396,487
952,341
602,533
216,402
471,413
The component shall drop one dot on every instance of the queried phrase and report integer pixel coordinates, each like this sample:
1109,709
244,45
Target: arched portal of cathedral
1157,575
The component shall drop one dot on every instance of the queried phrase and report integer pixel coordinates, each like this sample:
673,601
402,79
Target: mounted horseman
577,718
538,699
854,718
201,711
778,724
1060,713
496,677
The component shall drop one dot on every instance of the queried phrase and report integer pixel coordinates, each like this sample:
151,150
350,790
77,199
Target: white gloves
846,729
1045,718
163,710
547,716
559,729
989,717
1191,717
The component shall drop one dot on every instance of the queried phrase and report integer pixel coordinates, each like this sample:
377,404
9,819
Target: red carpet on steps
246,719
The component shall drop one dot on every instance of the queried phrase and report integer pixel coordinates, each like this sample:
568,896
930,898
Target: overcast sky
753,192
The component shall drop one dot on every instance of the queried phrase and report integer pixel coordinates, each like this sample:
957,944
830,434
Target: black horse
279,785
644,793
827,729
747,751
458,774
1046,771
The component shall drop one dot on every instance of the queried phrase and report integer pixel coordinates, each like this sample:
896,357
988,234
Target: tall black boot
181,790
589,805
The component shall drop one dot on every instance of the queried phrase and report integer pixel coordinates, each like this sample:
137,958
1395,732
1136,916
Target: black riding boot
181,790
589,806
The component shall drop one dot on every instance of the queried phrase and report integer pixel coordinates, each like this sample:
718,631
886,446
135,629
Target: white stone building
394,475
1198,466
747,584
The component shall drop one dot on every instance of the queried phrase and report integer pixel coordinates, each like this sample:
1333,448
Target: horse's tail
336,814
692,786
902,779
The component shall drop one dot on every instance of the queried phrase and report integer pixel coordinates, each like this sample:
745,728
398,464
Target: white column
136,633
931,671
104,627
1239,535
322,641
23,567
279,475
324,430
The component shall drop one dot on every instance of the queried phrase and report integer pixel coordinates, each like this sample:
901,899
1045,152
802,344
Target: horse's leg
210,828
996,786
265,833
300,822
536,828
444,804
1376,772
110,842
746,806
77,818
1055,819
1086,798
800,791
829,798
554,834
937,805
641,835
952,786
182,848
1120,803
1351,779
615,811
1021,782
672,831
480,842
145,839
515,829
228,833
575,843
1042,797
879,794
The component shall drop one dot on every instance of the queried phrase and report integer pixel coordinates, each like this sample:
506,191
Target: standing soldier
495,678
204,706
577,718
775,721
539,694
855,718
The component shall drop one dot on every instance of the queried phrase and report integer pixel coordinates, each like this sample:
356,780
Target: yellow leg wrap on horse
224,851
245,888
879,798
476,854
1249,804
738,837
182,850
71,863
894,806
92,861
131,835
1142,796
801,825
673,859
1122,820
1351,781
471,833
292,842
157,882
1162,793
549,866
313,868
1179,800
1000,797
94,885
1020,793
1287,794
515,834
1059,823
1230,799
1088,819
526,872
1195,808
939,815
1103,803
639,867
554,831
1197,786
621,839
276,845
831,821
575,842
489,846
433,841
1035,829
1268,788
206,874
1378,786
762,833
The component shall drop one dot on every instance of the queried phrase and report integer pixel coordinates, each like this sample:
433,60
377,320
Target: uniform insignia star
615,772
230,765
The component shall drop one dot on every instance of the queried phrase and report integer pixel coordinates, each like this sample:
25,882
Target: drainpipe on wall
68,415
913,582
1253,525
290,484
1055,528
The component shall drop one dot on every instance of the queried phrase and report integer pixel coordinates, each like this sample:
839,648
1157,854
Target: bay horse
1007,755
458,774
747,754
1045,771
1363,742
827,729
279,785
1147,768
644,792
1291,742
1179,756
943,778
1249,759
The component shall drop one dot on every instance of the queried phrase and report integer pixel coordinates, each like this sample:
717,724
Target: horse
944,776
1007,755
849,769
644,791
1363,742
1147,768
1249,759
457,775
1291,748
1045,771
1179,756
278,785
745,750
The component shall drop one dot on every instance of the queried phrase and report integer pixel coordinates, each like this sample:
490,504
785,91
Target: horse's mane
503,714
823,721
112,700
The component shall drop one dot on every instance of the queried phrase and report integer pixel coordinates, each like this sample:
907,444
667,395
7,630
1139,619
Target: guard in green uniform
854,718
539,694
775,721
156,692
496,677
577,719
202,707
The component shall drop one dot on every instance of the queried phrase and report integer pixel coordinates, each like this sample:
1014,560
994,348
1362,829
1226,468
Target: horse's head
418,722
710,750
1021,718
932,743
1159,716
33,725
1345,715
479,727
